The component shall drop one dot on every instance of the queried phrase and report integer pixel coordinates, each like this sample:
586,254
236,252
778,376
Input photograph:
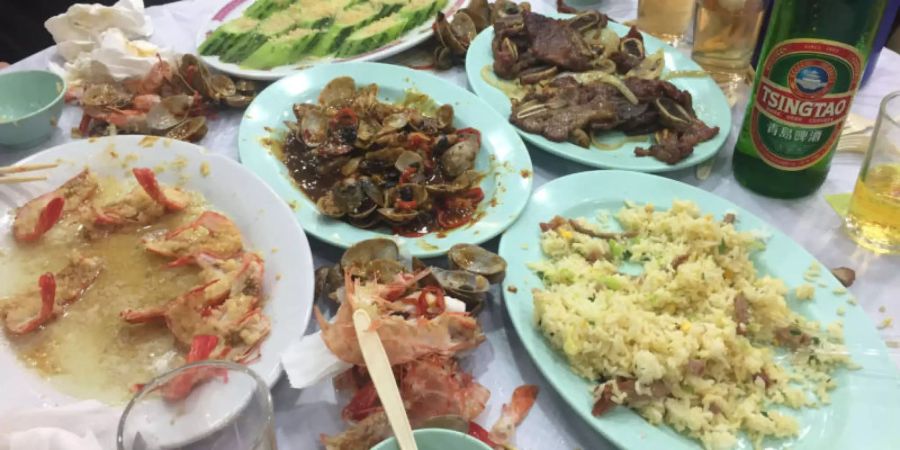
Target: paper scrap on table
86,425
840,203
102,43
309,361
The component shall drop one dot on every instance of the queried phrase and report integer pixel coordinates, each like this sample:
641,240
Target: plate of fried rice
668,317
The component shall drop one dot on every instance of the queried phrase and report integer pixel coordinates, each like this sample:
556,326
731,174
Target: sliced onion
595,75
650,68
619,143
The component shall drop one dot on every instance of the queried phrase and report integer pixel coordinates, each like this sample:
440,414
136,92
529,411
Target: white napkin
81,24
86,425
309,361
99,43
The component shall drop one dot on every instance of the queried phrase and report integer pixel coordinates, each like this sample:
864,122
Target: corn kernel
685,326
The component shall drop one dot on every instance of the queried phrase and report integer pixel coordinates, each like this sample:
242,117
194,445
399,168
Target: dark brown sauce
316,175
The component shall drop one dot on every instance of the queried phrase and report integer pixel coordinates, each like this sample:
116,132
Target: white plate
264,219
235,8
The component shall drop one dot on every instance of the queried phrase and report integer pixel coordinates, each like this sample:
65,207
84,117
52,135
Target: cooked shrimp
150,83
144,102
237,320
26,312
18,318
142,205
181,385
39,215
436,386
430,387
211,234
513,413
231,277
404,340
173,199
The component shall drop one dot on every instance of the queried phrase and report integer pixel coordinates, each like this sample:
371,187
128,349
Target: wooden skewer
26,168
14,180
383,378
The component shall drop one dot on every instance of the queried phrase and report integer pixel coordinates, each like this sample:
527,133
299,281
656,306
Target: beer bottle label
803,97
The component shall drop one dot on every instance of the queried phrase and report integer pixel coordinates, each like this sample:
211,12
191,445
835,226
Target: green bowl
437,439
30,104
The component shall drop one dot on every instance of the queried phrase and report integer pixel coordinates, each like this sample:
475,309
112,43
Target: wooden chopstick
26,168
14,180
383,378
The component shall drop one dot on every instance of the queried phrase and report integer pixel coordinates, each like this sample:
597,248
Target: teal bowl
30,104
437,439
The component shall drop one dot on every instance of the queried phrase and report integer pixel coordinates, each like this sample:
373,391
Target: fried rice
673,320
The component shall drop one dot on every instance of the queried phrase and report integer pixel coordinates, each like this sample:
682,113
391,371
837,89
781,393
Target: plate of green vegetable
268,39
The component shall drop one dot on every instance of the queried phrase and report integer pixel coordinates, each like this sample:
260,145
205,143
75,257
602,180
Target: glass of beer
873,218
209,405
668,20
725,34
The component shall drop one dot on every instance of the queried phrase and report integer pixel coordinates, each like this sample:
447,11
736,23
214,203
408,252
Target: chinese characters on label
791,134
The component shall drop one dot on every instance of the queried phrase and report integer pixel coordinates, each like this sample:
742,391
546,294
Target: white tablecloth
501,363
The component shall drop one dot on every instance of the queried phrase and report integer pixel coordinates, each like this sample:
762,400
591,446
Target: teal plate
710,105
503,156
865,407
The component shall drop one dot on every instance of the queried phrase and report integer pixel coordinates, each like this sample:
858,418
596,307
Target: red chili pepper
438,293
399,231
422,304
474,194
478,432
419,141
364,402
470,131
408,174
452,218
346,117
410,205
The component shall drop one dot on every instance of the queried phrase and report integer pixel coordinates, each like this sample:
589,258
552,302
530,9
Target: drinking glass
873,217
725,35
209,405
668,20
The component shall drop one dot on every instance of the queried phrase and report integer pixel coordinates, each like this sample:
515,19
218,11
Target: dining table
501,362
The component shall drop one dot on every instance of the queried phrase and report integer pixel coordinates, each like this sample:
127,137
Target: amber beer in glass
873,218
810,66
725,33
668,20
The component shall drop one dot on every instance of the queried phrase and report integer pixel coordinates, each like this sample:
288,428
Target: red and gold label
802,99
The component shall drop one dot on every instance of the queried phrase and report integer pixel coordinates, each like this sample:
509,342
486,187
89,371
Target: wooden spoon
383,378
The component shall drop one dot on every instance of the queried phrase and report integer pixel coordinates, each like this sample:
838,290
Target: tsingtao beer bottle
809,70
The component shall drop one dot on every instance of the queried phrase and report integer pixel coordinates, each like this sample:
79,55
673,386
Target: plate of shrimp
137,255
427,320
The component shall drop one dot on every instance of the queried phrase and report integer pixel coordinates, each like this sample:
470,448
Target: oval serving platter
266,223
710,105
865,400
503,156
235,9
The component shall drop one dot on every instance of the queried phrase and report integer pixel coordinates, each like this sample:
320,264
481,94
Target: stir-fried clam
369,163
169,101
455,35
472,270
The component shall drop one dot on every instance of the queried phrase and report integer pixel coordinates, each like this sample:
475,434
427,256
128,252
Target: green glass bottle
809,70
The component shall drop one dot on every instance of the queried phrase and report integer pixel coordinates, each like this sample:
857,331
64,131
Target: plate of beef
597,92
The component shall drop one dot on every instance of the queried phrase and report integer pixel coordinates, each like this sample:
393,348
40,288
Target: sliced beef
672,147
553,42
792,337
630,52
627,386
